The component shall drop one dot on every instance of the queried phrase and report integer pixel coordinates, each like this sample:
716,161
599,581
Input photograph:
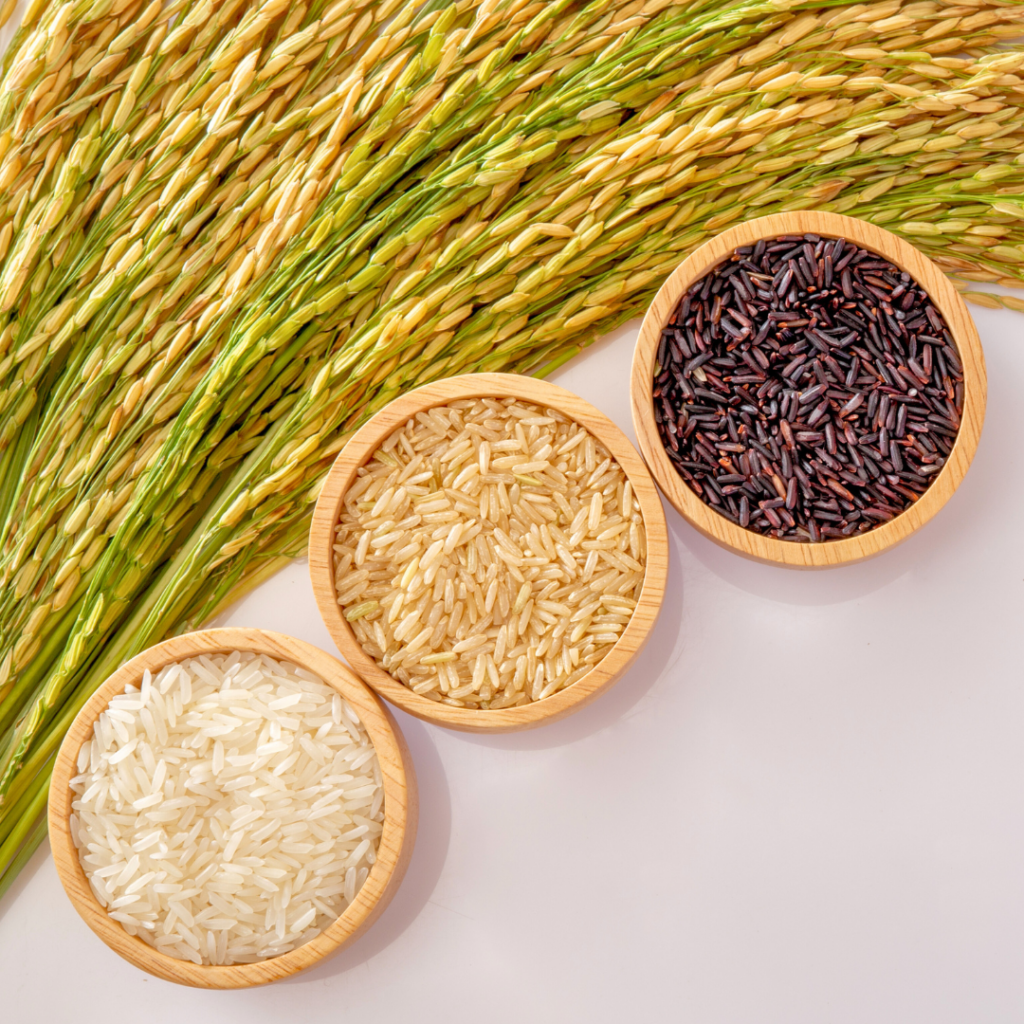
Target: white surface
802,804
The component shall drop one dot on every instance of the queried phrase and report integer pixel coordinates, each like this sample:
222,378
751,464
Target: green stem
26,835
22,807
29,847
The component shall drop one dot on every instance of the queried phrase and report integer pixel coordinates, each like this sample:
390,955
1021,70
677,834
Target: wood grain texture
791,553
359,450
397,839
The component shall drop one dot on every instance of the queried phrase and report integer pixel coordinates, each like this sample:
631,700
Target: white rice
490,553
230,810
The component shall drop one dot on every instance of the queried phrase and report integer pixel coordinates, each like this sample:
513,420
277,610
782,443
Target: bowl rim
356,453
394,850
794,554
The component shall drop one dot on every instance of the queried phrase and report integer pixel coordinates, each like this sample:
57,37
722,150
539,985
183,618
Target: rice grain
229,809
472,540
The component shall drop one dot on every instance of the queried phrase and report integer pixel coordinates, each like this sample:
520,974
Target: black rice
807,389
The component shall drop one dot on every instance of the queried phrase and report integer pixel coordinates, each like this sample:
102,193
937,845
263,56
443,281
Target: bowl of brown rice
489,552
230,807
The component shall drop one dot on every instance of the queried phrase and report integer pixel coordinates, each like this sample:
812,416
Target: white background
803,803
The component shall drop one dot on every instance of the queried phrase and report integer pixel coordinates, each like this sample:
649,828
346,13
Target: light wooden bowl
359,450
793,554
400,810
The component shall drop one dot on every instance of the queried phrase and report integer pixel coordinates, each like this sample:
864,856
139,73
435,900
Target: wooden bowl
832,552
359,450
396,843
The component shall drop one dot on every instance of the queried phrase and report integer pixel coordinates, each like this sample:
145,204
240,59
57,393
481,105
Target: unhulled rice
490,553
229,810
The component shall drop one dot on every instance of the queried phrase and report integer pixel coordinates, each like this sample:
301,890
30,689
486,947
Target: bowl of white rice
489,552
230,807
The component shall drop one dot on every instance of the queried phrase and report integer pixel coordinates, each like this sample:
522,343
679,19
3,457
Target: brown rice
490,553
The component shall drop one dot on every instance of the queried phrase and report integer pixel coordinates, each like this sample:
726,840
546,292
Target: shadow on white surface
797,586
